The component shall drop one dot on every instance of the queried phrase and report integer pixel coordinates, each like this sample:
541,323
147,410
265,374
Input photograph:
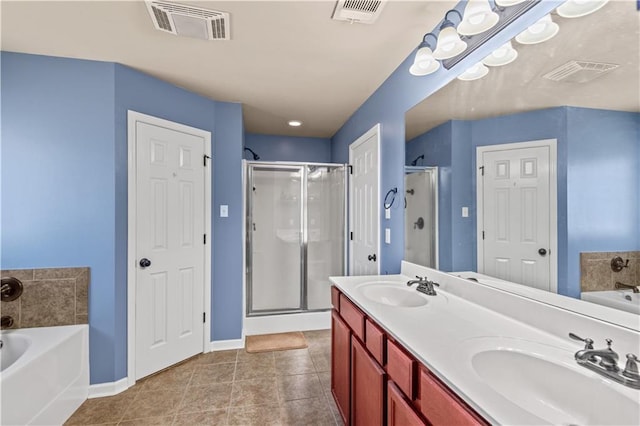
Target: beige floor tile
300,386
301,363
212,373
334,409
254,370
156,403
321,361
254,392
257,415
317,334
205,398
215,417
325,382
217,357
102,410
244,356
292,353
314,411
176,378
149,421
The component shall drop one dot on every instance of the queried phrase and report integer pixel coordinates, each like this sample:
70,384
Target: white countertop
446,332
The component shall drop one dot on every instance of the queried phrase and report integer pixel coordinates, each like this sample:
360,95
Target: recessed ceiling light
295,123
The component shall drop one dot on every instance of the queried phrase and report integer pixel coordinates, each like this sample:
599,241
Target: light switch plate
224,210
387,213
465,212
387,235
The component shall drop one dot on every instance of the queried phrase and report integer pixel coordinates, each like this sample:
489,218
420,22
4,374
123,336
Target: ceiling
285,60
610,35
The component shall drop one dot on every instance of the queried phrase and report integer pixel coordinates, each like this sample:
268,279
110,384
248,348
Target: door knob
542,252
144,262
372,257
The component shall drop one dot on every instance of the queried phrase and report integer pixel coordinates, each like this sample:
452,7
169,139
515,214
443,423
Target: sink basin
392,294
547,384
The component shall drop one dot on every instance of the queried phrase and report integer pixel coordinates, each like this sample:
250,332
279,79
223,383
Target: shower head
256,157
419,157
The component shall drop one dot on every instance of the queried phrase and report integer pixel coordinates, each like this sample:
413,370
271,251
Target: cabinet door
367,387
399,412
340,365
441,407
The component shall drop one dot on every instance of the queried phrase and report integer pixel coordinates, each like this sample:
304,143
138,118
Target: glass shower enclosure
421,216
295,224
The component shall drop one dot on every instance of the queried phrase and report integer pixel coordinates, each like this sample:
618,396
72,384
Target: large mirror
539,160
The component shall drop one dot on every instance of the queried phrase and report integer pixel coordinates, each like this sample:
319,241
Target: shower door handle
372,257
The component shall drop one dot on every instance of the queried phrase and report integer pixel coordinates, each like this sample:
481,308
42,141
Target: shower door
421,216
295,236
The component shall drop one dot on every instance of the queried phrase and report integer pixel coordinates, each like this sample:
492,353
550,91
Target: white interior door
515,238
364,206
170,227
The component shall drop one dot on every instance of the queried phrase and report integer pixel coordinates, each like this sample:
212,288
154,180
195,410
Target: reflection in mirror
421,215
577,96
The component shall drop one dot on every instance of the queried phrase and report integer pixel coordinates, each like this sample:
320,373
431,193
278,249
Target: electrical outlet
224,210
465,212
387,236
387,213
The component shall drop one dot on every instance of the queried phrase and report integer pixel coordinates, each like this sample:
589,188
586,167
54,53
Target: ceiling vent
360,11
579,71
189,21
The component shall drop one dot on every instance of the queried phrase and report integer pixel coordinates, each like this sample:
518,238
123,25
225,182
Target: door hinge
351,236
204,160
350,169
483,235
482,170
205,238
204,317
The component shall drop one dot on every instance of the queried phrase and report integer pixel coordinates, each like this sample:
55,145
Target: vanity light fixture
507,3
424,63
578,8
449,42
478,17
295,123
539,32
503,55
474,73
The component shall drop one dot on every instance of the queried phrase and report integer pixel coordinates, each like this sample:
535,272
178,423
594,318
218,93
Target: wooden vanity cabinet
367,387
376,381
341,365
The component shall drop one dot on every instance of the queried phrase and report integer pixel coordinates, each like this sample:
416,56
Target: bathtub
625,300
45,374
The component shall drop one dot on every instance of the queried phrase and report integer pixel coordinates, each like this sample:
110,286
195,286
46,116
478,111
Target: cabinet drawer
375,341
441,407
399,410
335,298
401,369
352,316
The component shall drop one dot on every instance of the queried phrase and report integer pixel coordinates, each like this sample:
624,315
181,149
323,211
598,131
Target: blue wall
595,148
288,148
64,184
58,174
388,105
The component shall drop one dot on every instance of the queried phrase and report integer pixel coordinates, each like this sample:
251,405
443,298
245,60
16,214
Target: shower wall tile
596,273
51,297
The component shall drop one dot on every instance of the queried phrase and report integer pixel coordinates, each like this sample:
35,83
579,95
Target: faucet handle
588,343
631,368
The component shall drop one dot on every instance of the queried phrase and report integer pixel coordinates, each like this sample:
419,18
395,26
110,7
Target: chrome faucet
605,362
424,285
633,288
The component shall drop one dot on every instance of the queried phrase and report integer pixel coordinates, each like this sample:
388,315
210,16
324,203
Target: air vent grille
189,21
361,11
579,71
370,6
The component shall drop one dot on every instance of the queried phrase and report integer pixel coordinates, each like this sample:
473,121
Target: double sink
540,381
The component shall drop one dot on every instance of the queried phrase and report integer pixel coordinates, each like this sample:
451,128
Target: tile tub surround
228,388
596,273
51,297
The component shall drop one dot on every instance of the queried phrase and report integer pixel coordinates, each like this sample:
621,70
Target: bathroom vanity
471,354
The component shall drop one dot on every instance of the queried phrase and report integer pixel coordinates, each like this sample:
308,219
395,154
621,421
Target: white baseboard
223,345
108,389
290,322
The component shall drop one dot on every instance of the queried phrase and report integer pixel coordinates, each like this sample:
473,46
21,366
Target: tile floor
228,388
